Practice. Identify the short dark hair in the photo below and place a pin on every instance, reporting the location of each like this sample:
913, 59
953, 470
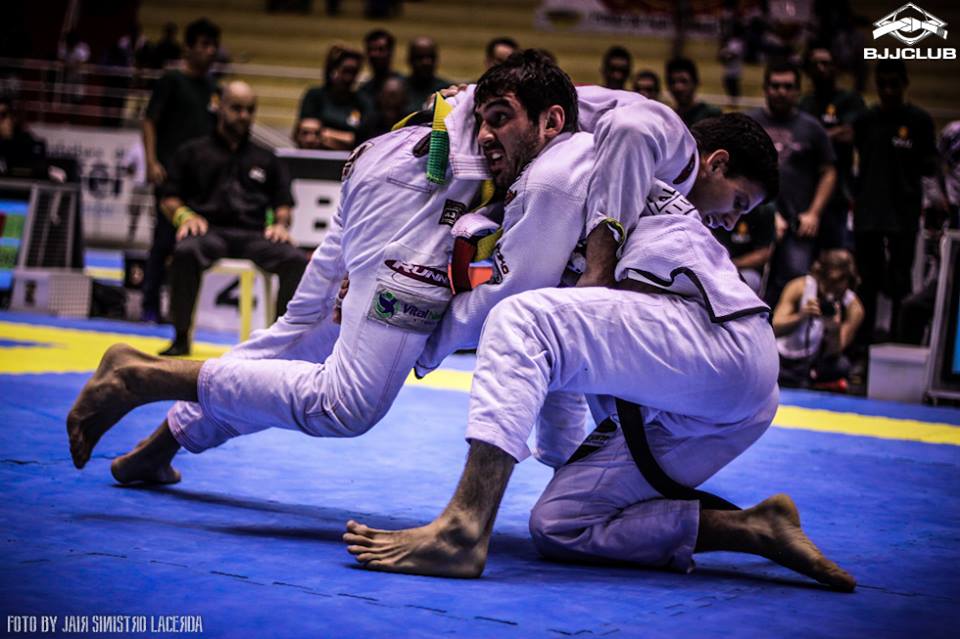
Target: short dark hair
647, 73
537, 82
336, 56
200, 28
683, 65
781, 66
616, 51
892, 67
752, 154
504, 40
378, 34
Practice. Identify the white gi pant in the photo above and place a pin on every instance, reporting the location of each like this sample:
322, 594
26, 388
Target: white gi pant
299, 374
707, 391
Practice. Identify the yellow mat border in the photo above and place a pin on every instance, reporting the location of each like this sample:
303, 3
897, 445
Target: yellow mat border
70, 350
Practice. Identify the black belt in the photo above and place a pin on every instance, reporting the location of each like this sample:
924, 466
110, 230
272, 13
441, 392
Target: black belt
635, 433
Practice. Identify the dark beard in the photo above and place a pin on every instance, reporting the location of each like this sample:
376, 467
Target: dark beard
526, 152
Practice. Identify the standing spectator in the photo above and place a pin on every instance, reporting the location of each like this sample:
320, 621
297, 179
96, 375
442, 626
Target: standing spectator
123, 56
750, 243
167, 50
647, 84
181, 107
836, 109
895, 144
423, 81
816, 320
731, 57
219, 194
335, 103
682, 83
498, 50
616, 68
73, 53
391, 108
379, 45
807, 174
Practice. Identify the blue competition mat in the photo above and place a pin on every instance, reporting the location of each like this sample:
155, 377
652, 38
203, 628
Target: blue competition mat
248, 545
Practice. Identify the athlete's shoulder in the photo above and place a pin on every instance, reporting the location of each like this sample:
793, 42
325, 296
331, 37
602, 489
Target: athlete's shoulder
563, 164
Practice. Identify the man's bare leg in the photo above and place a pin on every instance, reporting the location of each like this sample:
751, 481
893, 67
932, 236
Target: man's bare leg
771, 529
150, 461
125, 379
455, 543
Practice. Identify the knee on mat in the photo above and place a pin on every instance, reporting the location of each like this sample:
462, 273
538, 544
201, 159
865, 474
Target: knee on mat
544, 530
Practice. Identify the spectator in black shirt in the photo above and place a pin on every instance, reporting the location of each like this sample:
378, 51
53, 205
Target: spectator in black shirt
617, 67
21, 154
896, 147
379, 46
181, 107
423, 81
837, 110
647, 84
682, 82
750, 243
391, 108
228, 197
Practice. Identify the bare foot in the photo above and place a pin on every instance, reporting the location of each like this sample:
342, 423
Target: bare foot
103, 401
782, 540
435, 549
138, 467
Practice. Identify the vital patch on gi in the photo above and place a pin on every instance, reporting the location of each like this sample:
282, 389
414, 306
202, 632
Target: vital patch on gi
452, 210
406, 311
426, 274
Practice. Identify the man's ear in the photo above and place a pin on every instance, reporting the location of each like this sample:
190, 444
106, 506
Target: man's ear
718, 161
554, 121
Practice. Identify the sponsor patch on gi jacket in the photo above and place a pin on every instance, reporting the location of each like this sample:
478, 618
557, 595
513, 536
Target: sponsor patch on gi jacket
406, 311
426, 274
452, 210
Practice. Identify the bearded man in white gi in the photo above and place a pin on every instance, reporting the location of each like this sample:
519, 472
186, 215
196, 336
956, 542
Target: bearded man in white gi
299, 374
683, 338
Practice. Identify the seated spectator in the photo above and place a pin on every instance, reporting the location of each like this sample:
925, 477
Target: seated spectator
168, 49
21, 154
335, 103
498, 50
228, 197
815, 321
682, 82
309, 134
647, 84
379, 46
423, 81
391, 108
616, 68
750, 243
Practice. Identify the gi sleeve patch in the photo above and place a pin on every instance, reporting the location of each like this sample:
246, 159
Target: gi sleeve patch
404, 310
452, 210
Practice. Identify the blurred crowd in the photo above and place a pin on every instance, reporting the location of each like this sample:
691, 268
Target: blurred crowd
835, 255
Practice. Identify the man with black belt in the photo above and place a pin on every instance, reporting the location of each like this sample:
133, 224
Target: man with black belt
227, 197
182, 107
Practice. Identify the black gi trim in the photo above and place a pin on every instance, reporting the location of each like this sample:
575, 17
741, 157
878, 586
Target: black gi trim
635, 432
684, 270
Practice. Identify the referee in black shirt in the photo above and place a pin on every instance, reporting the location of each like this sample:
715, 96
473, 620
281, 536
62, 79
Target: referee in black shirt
219, 191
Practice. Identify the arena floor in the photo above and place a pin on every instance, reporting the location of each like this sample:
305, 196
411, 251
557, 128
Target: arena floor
250, 540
